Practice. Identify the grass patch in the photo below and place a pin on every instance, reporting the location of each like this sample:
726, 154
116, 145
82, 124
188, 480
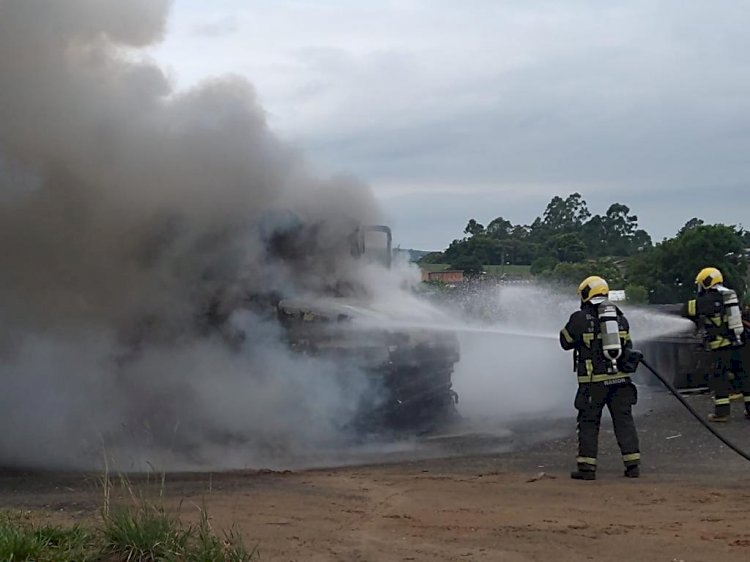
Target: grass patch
510, 269
209, 546
142, 533
514, 270
22, 540
148, 533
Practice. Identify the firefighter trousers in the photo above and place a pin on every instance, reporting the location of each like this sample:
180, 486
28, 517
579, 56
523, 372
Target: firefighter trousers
590, 402
728, 361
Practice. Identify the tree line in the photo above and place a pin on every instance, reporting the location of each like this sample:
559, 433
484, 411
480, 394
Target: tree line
568, 243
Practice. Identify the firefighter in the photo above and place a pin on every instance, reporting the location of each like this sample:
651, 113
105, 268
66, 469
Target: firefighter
717, 313
599, 336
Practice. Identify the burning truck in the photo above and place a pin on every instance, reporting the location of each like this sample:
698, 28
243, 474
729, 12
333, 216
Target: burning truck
151, 299
409, 366
410, 369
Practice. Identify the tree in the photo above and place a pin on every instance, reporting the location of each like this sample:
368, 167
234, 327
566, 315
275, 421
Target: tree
567, 247
594, 234
619, 223
519, 251
473, 228
480, 246
521, 232
433, 257
565, 215
636, 294
641, 241
566, 222
540, 265
614, 234
500, 229
470, 265
668, 270
690, 225
574, 273
620, 227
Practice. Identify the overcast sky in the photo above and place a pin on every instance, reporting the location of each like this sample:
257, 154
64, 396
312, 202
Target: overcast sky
484, 108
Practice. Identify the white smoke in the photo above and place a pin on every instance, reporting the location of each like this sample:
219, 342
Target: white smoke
134, 222
514, 367
145, 235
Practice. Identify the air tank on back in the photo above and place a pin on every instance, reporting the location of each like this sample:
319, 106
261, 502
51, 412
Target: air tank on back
610, 334
733, 314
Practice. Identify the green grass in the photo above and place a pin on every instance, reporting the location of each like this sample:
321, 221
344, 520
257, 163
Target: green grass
21, 540
209, 547
142, 533
514, 270
150, 534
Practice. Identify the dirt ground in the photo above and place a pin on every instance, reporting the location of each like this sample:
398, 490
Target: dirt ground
692, 503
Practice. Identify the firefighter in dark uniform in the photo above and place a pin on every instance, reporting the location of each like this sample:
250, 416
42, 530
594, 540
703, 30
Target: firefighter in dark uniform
716, 311
599, 335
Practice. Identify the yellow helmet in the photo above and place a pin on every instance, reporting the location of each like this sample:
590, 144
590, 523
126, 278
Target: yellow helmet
591, 287
708, 277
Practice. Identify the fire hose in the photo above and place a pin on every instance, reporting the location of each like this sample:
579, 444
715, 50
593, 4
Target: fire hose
695, 414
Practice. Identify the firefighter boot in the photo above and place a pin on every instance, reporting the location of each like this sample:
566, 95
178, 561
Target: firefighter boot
632, 471
583, 473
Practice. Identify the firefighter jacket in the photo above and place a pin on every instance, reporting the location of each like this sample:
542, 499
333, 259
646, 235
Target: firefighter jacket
583, 335
710, 314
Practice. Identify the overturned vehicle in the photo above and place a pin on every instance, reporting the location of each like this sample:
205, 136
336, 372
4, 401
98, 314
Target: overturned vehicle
409, 365
410, 369
322, 332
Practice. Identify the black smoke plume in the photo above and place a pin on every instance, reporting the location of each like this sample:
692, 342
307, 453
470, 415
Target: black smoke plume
136, 222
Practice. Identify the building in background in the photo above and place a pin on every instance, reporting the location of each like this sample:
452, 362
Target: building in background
449, 276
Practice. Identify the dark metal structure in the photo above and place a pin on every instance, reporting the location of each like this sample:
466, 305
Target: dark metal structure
409, 368
681, 358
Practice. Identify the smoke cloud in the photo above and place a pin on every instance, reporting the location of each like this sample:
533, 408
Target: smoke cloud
146, 237
134, 221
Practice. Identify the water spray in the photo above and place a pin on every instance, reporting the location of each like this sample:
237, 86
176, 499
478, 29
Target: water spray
454, 326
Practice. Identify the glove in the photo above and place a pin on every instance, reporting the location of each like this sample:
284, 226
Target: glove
629, 360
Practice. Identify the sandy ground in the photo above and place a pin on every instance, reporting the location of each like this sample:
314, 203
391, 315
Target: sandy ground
692, 503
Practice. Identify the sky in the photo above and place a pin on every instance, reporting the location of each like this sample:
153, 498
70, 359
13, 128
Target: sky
485, 108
